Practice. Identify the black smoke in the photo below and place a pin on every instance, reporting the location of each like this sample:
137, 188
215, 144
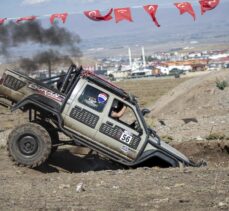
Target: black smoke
45, 59
60, 44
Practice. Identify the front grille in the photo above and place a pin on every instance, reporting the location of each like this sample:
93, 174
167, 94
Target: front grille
13, 83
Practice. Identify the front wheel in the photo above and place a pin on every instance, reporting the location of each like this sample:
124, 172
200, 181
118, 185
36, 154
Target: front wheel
29, 145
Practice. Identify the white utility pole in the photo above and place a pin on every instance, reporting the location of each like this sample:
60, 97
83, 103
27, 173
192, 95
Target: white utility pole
130, 58
143, 57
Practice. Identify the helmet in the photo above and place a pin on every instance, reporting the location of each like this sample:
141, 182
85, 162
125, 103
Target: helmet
117, 105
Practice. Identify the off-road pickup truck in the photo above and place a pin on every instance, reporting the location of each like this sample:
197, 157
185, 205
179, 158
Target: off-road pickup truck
88, 109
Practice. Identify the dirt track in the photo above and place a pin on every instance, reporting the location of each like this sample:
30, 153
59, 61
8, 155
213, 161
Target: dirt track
108, 186
53, 186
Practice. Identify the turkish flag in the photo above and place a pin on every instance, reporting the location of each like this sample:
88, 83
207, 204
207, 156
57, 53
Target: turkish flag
2, 20
186, 7
151, 10
123, 14
29, 18
95, 15
62, 16
208, 5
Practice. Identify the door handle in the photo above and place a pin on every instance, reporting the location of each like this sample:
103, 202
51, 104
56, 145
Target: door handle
109, 123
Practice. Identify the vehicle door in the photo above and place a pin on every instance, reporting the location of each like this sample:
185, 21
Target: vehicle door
83, 113
122, 134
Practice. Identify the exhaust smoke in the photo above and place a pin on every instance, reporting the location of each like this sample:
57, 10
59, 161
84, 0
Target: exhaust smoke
60, 44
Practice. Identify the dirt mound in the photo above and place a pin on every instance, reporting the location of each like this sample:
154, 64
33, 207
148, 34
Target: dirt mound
197, 96
195, 108
215, 153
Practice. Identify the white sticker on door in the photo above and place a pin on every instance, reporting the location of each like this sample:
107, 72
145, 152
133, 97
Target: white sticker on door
126, 137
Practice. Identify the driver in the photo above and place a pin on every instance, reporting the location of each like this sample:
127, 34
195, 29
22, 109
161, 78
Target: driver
118, 109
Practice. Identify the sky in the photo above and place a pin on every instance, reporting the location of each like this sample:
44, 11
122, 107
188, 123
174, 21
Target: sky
43, 8
167, 14
18, 8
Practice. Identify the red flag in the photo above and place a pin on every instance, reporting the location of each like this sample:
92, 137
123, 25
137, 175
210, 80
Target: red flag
95, 15
2, 20
123, 14
29, 18
186, 7
62, 16
208, 5
151, 10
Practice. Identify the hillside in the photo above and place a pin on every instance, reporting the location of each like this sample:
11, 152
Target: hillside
194, 109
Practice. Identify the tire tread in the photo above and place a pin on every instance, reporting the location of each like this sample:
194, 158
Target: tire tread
42, 132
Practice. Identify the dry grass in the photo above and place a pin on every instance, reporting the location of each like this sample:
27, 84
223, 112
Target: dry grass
217, 136
149, 90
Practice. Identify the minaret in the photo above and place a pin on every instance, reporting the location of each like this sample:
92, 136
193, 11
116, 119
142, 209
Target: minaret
143, 57
130, 58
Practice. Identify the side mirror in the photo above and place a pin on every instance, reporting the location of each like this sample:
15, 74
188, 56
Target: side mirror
145, 111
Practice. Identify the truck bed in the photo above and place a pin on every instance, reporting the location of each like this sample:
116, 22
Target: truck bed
16, 86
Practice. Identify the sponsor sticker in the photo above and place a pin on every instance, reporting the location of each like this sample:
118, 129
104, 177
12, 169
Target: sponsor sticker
102, 98
125, 148
91, 101
45, 92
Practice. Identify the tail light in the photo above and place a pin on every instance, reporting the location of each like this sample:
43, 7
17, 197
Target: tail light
2, 78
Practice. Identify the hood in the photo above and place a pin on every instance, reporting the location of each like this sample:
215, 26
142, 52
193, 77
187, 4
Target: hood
169, 149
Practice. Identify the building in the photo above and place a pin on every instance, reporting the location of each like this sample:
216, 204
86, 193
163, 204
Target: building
116, 75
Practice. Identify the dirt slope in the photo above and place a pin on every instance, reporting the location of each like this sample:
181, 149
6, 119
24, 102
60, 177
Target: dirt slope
196, 105
54, 186
108, 186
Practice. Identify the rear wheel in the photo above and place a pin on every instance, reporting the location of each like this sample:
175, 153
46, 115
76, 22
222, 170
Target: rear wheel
29, 145
53, 133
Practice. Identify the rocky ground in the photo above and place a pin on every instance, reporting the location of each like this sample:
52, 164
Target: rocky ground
194, 109
186, 116
70, 182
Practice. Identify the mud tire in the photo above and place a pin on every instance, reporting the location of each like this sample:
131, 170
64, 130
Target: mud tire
52, 133
29, 145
